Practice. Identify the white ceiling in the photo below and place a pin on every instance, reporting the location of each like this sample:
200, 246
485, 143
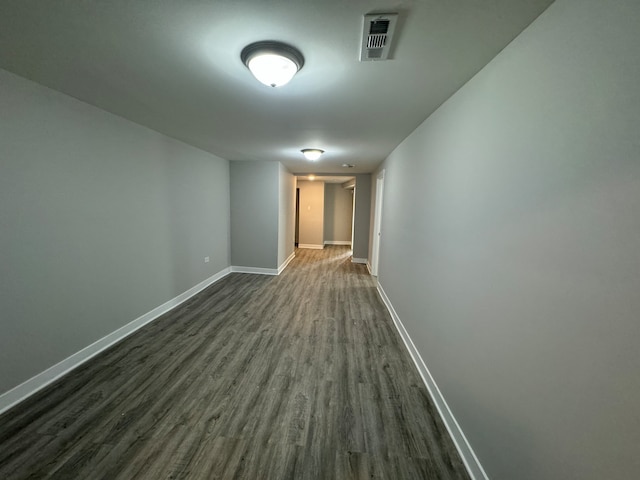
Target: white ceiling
175, 67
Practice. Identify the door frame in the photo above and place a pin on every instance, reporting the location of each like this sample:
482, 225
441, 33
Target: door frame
377, 223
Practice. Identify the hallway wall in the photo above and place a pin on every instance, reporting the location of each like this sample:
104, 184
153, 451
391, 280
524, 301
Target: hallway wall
101, 221
311, 228
510, 248
286, 215
255, 209
362, 199
338, 214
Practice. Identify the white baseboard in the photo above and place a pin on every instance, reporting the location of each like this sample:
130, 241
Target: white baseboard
256, 270
261, 270
369, 267
51, 374
337, 242
359, 260
308, 245
286, 262
462, 444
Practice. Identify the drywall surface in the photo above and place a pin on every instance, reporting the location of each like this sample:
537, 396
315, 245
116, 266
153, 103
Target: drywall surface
286, 215
254, 214
511, 250
338, 212
362, 213
311, 229
101, 220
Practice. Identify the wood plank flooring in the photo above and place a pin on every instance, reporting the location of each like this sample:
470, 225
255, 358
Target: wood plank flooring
300, 376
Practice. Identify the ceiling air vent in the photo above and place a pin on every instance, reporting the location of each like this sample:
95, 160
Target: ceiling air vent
377, 32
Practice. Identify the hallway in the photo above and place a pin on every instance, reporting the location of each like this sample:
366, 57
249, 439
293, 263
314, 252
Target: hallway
299, 376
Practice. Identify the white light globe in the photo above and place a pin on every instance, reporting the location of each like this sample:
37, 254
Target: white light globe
272, 70
312, 154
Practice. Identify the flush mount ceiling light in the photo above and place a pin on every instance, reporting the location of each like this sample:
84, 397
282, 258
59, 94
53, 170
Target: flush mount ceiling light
272, 63
312, 154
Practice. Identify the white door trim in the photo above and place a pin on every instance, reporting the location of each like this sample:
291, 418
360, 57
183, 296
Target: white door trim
377, 223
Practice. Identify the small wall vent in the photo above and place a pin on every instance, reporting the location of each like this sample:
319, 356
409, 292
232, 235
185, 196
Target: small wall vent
377, 32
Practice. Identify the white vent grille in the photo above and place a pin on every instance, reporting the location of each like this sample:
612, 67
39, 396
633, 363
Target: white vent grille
377, 40
377, 31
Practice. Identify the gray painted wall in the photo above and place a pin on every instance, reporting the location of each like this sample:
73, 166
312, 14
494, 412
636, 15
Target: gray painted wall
338, 213
101, 220
361, 221
286, 215
254, 213
311, 229
511, 247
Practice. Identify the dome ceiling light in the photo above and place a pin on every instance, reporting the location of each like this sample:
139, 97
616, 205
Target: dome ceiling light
272, 63
312, 154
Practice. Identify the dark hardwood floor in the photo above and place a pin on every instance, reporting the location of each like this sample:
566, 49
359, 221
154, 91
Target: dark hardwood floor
301, 376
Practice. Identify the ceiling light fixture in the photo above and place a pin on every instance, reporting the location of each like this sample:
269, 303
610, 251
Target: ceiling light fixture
312, 154
272, 63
